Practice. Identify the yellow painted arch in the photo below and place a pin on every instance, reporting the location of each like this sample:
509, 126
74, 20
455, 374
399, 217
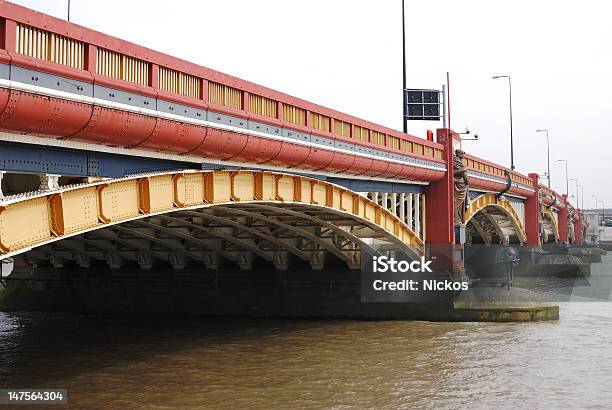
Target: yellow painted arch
548, 213
490, 200
33, 220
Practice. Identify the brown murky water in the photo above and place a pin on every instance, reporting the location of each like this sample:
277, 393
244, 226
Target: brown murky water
162, 362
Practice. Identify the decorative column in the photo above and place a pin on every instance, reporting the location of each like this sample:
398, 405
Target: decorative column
532, 213
439, 212
578, 226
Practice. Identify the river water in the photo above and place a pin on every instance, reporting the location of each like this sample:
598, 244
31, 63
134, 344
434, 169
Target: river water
162, 362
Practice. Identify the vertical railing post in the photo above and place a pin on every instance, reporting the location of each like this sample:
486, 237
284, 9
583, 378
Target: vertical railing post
245, 101
8, 35
154, 76
91, 55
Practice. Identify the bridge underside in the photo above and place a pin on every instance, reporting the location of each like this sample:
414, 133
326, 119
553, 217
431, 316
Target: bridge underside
232, 236
492, 220
551, 231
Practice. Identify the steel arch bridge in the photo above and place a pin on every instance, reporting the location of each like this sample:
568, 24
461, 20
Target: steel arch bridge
201, 216
490, 216
76, 104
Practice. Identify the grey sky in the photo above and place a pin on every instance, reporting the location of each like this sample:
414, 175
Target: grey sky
346, 54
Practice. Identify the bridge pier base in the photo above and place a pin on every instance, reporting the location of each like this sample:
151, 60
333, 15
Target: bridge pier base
281, 260
145, 261
57, 261
83, 261
114, 261
245, 260
257, 293
211, 260
317, 262
177, 260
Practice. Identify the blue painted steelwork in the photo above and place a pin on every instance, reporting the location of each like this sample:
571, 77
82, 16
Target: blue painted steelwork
26, 158
41, 160
359, 185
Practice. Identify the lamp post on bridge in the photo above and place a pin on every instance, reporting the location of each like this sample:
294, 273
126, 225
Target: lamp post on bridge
596, 210
547, 154
405, 97
577, 197
581, 195
566, 180
495, 77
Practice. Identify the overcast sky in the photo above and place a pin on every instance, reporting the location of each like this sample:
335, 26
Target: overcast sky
346, 54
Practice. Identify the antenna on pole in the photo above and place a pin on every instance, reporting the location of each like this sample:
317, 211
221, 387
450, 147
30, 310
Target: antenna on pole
405, 105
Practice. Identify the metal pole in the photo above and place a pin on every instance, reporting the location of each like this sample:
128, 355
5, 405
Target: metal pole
577, 193
405, 108
511, 123
566, 180
566, 176
448, 99
578, 200
68, 10
509, 275
511, 137
548, 156
443, 106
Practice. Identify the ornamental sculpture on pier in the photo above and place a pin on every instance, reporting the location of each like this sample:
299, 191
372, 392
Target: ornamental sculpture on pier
461, 184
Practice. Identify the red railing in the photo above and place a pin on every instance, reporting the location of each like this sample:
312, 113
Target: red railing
42, 42
121, 64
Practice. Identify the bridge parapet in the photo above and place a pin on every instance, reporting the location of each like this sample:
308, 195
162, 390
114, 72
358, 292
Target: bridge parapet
128, 75
489, 176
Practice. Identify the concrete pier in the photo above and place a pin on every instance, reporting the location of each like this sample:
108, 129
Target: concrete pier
257, 293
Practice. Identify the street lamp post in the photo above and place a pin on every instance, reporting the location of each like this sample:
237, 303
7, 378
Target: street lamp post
405, 108
581, 195
547, 153
566, 180
577, 196
596, 210
495, 77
